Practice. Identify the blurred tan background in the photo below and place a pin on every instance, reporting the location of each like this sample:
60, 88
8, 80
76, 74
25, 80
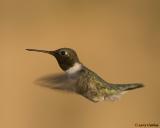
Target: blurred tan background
120, 40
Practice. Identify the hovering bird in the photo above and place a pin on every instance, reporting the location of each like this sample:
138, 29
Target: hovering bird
84, 81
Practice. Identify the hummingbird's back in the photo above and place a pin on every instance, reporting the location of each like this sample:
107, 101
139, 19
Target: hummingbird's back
91, 85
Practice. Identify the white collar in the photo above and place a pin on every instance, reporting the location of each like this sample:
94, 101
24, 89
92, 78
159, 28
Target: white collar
75, 68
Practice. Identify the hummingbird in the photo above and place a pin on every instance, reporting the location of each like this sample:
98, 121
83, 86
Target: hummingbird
83, 80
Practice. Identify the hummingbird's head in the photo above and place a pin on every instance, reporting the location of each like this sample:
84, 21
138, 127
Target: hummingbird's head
66, 57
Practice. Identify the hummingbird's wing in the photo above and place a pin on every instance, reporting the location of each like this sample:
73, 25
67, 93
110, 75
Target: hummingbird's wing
57, 81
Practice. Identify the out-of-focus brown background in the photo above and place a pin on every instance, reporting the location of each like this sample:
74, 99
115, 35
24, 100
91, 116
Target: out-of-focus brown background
117, 39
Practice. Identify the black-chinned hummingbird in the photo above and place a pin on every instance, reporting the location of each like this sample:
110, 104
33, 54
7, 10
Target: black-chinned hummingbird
86, 82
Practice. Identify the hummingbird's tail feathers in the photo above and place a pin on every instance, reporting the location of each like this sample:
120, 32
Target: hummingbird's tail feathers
121, 89
125, 87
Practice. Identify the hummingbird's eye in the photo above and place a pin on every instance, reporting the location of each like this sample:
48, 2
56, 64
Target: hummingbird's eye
63, 53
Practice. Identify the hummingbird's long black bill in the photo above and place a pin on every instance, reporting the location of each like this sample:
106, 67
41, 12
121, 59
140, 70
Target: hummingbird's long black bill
43, 51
